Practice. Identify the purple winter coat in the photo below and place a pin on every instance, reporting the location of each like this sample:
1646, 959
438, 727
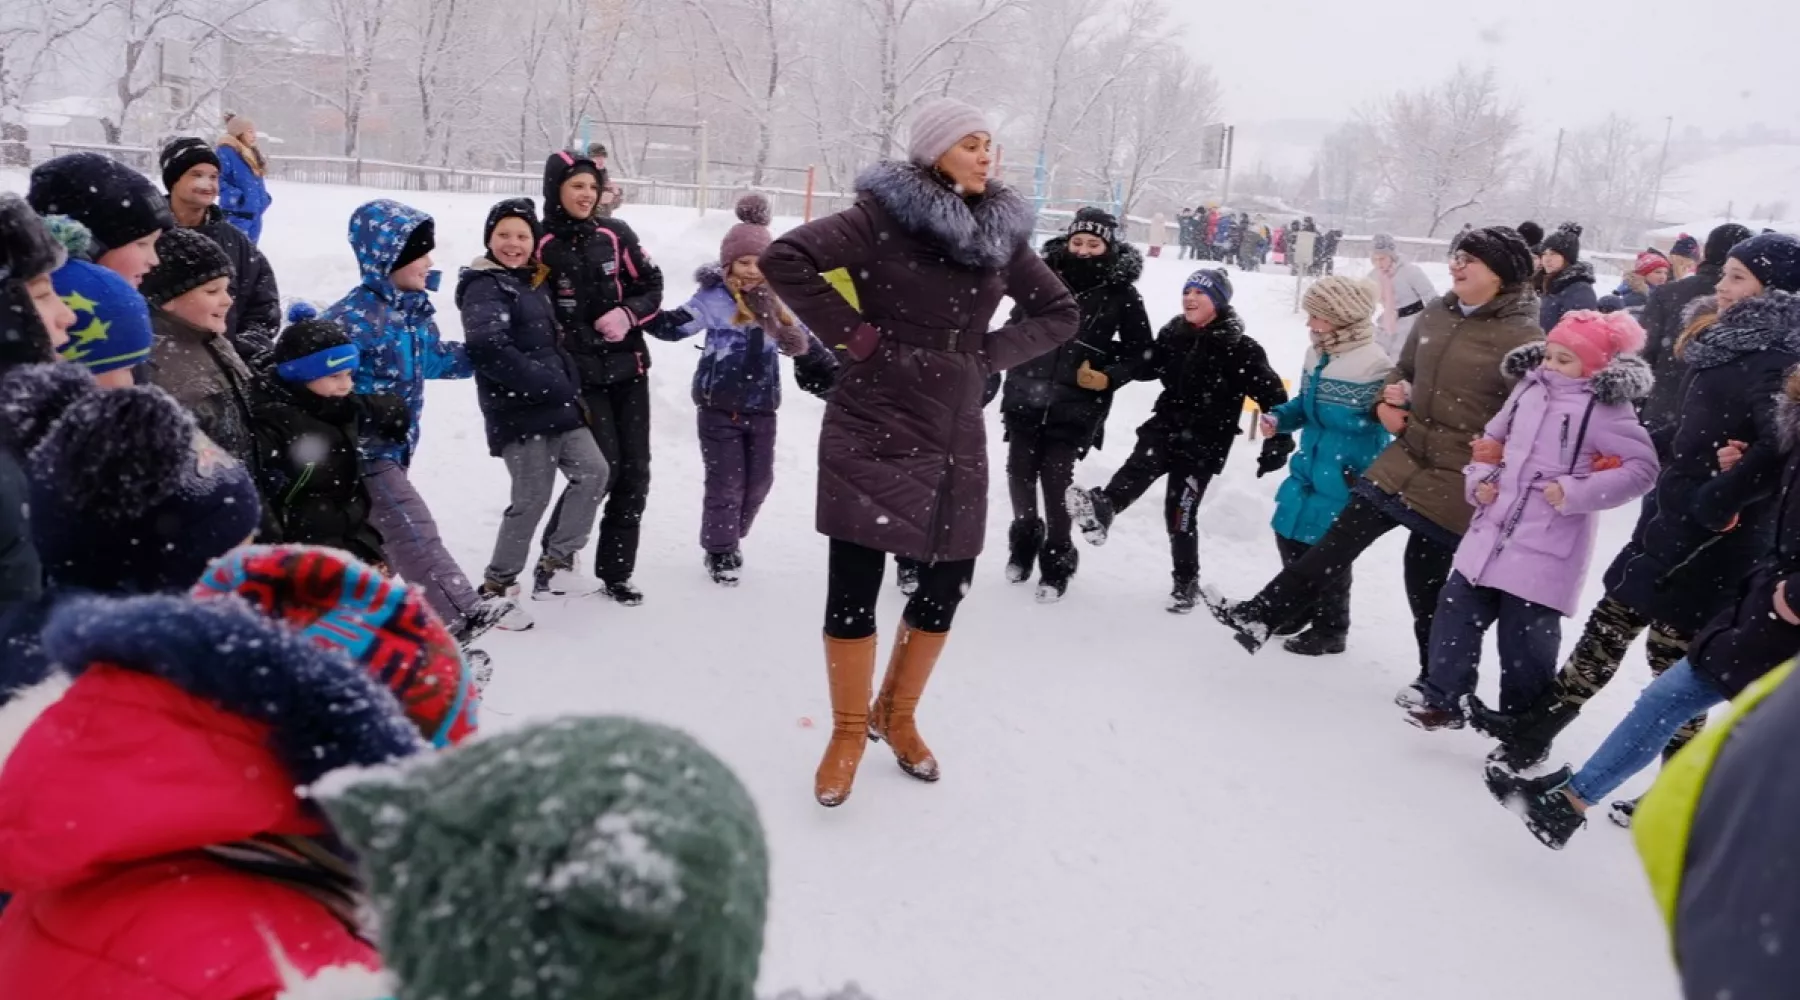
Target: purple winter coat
1554, 427
903, 448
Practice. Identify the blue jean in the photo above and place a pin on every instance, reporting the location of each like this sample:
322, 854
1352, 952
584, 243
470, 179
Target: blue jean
1530, 636
1671, 700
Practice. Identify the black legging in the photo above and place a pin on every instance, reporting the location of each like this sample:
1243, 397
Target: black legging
854, 587
1294, 594
1033, 457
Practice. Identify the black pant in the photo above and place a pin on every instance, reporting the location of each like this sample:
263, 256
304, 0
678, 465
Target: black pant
1294, 593
853, 588
1150, 461
1033, 457
1331, 613
619, 415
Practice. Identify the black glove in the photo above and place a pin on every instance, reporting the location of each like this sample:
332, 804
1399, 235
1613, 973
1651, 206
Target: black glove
1275, 452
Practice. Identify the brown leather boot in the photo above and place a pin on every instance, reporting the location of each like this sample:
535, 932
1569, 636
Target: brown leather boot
850, 668
891, 718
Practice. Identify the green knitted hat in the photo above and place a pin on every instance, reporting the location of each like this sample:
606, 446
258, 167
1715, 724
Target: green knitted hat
578, 859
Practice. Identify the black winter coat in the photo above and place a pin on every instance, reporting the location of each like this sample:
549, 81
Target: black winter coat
1206, 375
1705, 529
1572, 288
596, 266
310, 471
1115, 340
1664, 317
1750, 639
21, 577
255, 317
527, 384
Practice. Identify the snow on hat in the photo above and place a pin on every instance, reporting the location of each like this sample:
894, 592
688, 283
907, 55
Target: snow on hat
117, 204
112, 321
1720, 241
181, 154
1502, 250
1649, 262
185, 260
512, 208
1566, 242
1214, 282
939, 126
1383, 243
1598, 338
126, 493
608, 858
381, 624
1095, 222
1773, 257
1532, 234
1687, 246
750, 237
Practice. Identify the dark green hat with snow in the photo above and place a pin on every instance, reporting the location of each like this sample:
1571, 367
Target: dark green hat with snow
578, 859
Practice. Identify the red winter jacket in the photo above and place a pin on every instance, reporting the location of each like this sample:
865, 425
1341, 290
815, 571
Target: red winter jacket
109, 792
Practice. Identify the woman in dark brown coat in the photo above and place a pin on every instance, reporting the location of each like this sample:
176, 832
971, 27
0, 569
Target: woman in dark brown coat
932, 246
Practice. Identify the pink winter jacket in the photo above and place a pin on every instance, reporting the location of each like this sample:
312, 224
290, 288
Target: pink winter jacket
1554, 429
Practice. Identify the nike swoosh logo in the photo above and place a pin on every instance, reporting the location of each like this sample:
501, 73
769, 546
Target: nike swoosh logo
337, 362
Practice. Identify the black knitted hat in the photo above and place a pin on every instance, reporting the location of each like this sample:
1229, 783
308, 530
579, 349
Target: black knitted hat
185, 261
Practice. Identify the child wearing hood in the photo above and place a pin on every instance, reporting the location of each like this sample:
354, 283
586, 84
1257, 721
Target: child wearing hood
737, 386
1566, 446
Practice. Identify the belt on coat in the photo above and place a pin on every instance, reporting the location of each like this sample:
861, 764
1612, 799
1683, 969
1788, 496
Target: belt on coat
933, 338
1412, 310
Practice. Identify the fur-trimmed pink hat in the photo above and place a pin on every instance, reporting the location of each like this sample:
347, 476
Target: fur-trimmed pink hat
751, 236
1598, 338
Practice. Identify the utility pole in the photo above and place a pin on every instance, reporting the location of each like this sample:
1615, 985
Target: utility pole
1230, 140
1662, 163
1555, 168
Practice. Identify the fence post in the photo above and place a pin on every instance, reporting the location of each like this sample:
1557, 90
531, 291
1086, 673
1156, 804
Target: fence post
702, 199
811, 174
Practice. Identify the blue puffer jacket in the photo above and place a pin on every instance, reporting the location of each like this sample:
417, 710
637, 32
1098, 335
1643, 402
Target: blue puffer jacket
740, 370
243, 196
527, 383
394, 330
1334, 412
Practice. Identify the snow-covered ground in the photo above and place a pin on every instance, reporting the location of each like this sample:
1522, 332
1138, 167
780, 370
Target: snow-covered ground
1131, 807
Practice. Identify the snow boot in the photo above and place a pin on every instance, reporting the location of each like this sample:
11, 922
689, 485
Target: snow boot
1431, 718
1239, 617
1623, 812
1542, 803
850, 672
516, 620
906, 576
1093, 513
1184, 597
1024, 540
1528, 738
891, 717
552, 582
481, 668
1411, 696
624, 592
488, 612
1058, 565
1315, 642
723, 567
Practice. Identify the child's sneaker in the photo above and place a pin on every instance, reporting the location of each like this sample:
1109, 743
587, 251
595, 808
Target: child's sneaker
723, 567
1185, 597
554, 583
1623, 812
481, 668
484, 618
1092, 512
624, 592
515, 620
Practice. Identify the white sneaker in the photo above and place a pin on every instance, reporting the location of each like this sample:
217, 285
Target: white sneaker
563, 583
515, 619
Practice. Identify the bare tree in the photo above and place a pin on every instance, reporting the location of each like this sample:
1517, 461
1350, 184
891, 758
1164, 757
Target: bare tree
1607, 182
1152, 129
145, 32
754, 71
31, 32
1444, 149
907, 71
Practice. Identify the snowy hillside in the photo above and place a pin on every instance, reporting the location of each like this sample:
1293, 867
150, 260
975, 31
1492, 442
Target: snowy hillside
1753, 181
1131, 807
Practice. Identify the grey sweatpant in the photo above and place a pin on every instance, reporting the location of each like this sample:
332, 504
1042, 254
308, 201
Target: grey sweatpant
414, 548
533, 465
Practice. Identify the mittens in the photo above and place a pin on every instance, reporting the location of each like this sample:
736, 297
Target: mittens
1275, 452
792, 340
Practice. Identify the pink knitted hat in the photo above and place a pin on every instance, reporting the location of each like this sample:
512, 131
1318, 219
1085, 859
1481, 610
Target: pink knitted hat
1597, 338
750, 237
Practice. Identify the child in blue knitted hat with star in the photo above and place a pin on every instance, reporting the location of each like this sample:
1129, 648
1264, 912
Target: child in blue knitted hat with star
111, 335
307, 424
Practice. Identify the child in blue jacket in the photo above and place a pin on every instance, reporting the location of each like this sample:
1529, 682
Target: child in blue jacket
738, 383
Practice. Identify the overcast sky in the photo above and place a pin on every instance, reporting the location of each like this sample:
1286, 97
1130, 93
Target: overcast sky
1719, 65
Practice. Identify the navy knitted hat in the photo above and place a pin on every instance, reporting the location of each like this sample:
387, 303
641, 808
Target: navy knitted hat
117, 204
1687, 246
1720, 241
1096, 222
1773, 257
312, 348
1504, 252
126, 494
1214, 282
1566, 241
513, 208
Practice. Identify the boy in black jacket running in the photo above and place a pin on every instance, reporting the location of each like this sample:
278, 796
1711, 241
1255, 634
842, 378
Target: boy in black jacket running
1207, 365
